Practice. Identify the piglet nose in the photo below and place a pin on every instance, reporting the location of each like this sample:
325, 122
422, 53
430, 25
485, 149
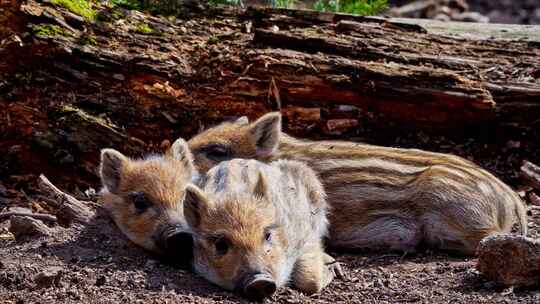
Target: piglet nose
259, 286
178, 242
178, 246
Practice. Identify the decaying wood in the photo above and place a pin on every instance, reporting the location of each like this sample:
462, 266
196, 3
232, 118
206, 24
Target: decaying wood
37, 216
63, 97
531, 173
69, 208
463, 30
471, 30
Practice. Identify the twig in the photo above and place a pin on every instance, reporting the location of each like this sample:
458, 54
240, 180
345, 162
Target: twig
70, 209
37, 216
273, 91
374, 259
46, 185
49, 201
531, 173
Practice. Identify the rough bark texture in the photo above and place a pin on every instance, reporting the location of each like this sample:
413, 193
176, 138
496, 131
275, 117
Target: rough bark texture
69, 209
110, 83
510, 260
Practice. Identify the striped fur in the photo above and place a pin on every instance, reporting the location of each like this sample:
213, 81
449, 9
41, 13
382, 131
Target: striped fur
242, 201
381, 197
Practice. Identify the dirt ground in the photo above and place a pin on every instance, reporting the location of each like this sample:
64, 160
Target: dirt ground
97, 264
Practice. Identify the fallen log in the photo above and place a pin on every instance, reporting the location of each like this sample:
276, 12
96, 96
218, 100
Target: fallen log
130, 80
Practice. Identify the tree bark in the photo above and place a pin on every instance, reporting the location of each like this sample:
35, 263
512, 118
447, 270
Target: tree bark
108, 83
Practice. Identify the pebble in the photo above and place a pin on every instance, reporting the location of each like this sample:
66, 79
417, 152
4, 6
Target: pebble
510, 260
24, 226
49, 277
3, 190
101, 281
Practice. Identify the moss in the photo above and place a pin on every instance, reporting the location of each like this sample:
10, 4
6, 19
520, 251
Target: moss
49, 30
24, 78
79, 116
213, 40
109, 16
88, 40
82, 8
129, 4
357, 7
143, 28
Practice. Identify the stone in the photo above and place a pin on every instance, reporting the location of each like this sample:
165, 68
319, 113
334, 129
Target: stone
25, 226
302, 114
510, 260
49, 277
3, 190
339, 125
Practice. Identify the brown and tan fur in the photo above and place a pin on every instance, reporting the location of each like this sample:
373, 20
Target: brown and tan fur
257, 220
382, 198
144, 197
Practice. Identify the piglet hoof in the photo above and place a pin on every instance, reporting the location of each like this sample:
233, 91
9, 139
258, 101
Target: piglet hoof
337, 270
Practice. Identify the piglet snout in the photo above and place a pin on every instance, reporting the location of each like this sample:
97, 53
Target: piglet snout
259, 286
178, 244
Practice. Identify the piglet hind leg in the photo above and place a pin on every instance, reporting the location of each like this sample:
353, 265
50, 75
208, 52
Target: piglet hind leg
311, 273
459, 238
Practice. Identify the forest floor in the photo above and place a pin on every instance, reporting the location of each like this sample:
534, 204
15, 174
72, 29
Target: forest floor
97, 264
65, 95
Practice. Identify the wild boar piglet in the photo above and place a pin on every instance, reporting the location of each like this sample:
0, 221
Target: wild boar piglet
256, 225
144, 197
382, 198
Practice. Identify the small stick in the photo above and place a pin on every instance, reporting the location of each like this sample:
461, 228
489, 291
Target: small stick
70, 209
47, 200
37, 216
531, 173
273, 91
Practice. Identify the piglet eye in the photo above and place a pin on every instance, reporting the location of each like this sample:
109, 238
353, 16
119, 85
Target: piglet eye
139, 200
268, 236
222, 246
217, 152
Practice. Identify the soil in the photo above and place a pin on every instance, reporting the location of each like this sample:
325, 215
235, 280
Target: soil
97, 264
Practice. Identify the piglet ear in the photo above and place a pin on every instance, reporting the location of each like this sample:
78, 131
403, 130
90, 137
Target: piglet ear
195, 205
111, 167
261, 188
242, 121
267, 131
180, 152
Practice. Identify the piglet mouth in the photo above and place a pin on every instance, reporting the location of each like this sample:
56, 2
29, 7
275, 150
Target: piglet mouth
177, 244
